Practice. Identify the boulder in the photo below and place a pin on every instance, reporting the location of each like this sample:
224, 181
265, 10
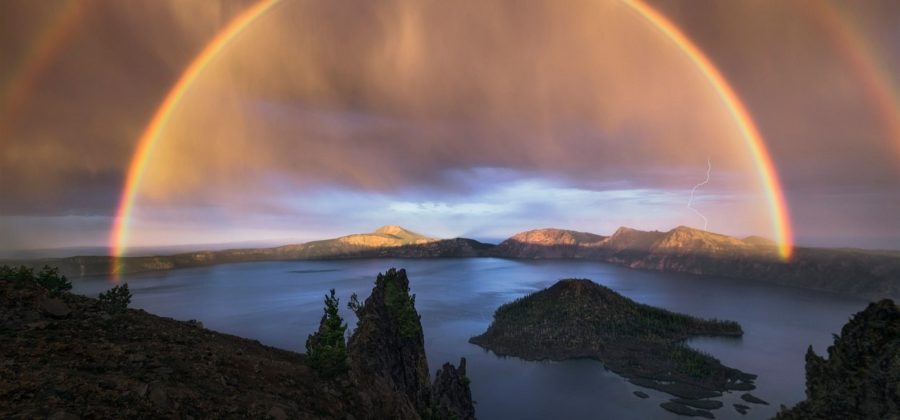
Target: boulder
55, 308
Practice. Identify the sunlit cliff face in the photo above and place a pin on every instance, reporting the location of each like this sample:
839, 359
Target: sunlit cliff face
576, 113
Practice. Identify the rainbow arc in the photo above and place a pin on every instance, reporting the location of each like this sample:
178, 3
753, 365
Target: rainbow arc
744, 122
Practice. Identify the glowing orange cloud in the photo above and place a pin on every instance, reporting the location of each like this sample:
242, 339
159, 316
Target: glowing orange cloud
781, 223
119, 234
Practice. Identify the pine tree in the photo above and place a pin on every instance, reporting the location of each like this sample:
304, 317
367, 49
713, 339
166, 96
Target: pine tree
326, 350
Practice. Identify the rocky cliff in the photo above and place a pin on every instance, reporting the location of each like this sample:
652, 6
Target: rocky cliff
451, 394
65, 357
388, 346
861, 377
387, 351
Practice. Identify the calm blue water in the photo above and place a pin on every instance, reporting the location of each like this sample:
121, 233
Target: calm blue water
280, 303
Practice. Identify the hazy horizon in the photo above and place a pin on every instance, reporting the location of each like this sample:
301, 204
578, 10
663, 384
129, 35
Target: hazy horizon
161, 249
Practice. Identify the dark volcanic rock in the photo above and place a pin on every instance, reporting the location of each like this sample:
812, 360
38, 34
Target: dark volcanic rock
388, 345
859, 380
741, 408
703, 404
750, 398
681, 390
55, 308
684, 410
387, 350
741, 386
451, 393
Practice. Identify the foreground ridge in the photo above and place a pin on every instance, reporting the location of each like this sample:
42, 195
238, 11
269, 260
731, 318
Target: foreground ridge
65, 356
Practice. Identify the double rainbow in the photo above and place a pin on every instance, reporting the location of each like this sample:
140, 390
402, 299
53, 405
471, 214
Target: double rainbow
151, 136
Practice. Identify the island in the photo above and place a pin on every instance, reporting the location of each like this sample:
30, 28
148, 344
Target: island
577, 318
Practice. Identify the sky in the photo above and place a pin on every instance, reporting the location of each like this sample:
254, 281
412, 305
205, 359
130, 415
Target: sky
450, 118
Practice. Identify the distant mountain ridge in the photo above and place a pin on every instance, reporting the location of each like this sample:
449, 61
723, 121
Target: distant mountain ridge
681, 239
868, 275
547, 243
389, 236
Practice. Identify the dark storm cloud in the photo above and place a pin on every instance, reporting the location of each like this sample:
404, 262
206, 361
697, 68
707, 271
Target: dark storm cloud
394, 97
86, 104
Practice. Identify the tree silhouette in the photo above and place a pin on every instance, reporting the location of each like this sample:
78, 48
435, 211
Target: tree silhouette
326, 350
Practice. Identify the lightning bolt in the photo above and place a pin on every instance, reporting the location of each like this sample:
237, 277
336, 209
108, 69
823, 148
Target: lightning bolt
693, 190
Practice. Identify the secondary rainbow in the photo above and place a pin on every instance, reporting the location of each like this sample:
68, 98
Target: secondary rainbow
119, 233
781, 223
876, 79
775, 196
38, 56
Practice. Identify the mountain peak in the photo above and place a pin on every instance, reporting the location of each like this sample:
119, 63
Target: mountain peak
624, 230
627, 238
385, 236
685, 228
578, 286
684, 238
396, 231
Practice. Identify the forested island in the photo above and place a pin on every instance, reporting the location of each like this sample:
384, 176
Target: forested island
577, 318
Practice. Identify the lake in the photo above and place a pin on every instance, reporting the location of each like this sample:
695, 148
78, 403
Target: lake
280, 303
